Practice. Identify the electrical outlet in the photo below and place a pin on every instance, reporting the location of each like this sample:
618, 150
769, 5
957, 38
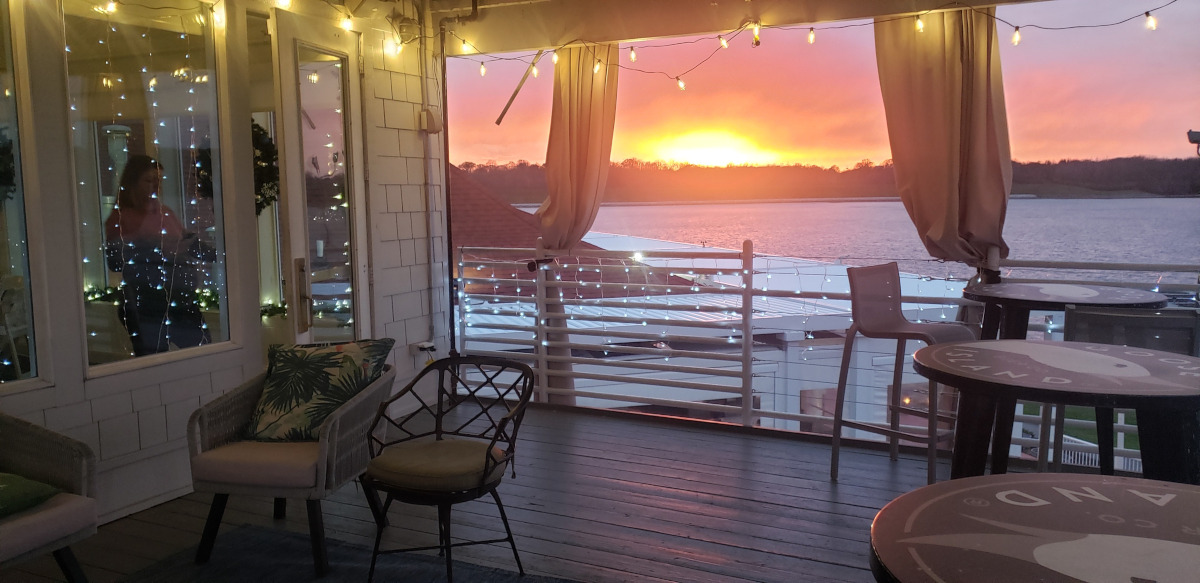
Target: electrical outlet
419, 347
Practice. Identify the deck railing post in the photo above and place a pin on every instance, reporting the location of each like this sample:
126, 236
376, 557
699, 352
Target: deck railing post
540, 350
747, 332
461, 288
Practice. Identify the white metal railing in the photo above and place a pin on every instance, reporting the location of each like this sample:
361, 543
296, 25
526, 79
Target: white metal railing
708, 333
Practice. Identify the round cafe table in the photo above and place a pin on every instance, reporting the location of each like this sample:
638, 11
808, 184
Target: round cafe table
1162, 387
1007, 305
1006, 315
1040, 527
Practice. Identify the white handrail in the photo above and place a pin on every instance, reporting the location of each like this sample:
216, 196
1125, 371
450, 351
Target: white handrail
654, 345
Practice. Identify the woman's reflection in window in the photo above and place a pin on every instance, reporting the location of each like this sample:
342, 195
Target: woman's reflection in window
158, 262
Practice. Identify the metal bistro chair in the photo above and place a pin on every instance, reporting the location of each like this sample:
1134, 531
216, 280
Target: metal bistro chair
876, 310
449, 445
1175, 330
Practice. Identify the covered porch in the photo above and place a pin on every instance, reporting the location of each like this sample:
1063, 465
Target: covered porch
598, 497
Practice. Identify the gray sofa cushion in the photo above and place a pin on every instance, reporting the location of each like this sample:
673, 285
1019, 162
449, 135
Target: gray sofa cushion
259, 463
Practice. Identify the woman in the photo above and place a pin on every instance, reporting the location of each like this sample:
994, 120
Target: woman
157, 260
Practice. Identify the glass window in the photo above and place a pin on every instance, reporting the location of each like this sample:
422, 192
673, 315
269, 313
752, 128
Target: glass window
146, 162
16, 321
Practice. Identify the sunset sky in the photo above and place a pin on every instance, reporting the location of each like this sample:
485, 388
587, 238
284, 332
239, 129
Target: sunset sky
1089, 93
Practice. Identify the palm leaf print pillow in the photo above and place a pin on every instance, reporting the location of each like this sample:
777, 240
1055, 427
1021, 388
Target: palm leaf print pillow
306, 383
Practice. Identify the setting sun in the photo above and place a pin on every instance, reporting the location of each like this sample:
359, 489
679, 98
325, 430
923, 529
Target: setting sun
708, 148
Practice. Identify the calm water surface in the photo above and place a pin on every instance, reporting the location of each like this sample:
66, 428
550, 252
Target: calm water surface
1148, 230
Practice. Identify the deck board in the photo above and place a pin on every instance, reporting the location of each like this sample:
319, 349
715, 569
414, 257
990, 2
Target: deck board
598, 498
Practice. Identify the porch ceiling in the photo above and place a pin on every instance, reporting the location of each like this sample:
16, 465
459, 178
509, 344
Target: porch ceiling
519, 25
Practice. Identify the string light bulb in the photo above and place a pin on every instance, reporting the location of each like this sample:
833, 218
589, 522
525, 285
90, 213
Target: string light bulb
1151, 22
554, 57
596, 67
533, 69
757, 41
466, 46
482, 69
812, 35
347, 23
632, 54
724, 43
393, 46
920, 24
682, 85
1016, 36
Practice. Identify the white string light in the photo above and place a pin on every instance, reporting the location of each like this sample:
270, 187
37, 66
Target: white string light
393, 46
681, 84
755, 28
482, 69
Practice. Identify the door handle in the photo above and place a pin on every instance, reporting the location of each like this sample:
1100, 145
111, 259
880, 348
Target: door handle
304, 300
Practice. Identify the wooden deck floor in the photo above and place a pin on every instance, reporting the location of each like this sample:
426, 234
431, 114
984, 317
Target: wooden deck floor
597, 498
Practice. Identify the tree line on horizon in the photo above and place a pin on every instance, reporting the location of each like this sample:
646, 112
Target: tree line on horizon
635, 180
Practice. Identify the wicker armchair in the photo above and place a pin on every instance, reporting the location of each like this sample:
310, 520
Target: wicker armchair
39, 454
224, 464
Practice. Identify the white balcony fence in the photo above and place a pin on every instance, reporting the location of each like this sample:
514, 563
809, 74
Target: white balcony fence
718, 335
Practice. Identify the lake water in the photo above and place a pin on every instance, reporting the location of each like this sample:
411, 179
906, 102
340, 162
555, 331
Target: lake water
1146, 230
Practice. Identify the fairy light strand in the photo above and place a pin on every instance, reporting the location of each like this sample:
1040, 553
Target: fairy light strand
755, 26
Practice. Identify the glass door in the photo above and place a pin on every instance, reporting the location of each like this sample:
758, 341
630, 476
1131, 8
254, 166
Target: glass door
324, 251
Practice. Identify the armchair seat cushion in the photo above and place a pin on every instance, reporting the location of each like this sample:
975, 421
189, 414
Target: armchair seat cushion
448, 465
259, 463
58, 518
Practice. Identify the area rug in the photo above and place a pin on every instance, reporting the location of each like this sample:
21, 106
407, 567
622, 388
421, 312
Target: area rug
254, 554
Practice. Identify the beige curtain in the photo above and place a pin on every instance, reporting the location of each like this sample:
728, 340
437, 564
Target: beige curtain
944, 100
581, 133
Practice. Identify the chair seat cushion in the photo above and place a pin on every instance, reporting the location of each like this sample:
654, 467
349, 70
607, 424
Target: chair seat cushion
448, 465
258, 463
55, 519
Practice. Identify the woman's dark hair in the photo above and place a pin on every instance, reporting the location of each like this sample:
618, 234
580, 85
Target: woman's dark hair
137, 165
